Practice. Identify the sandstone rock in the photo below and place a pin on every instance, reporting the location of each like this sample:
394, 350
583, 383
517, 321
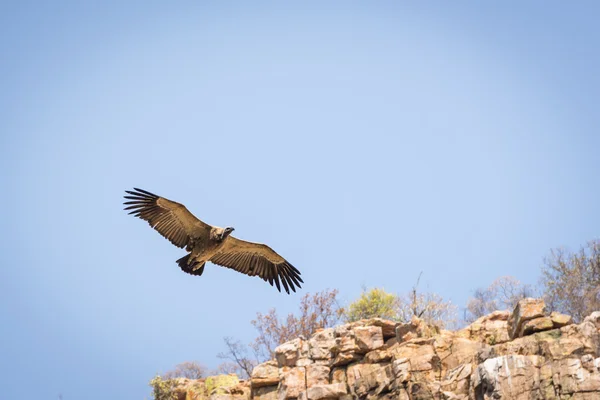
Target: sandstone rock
321, 344
525, 310
265, 374
293, 381
363, 378
344, 359
288, 353
220, 384
490, 329
388, 328
475, 363
401, 369
571, 340
455, 351
417, 350
536, 325
303, 362
528, 345
330, 391
420, 390
338, 375
346, 343
368, 338
457, 381
416, 328
570, 377
377, 356
265, 393
508, 377
317, 375
217, 387
425, 363
559, 320
594, 318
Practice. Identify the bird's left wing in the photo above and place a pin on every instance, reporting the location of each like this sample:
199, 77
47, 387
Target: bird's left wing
169, 218
255, 259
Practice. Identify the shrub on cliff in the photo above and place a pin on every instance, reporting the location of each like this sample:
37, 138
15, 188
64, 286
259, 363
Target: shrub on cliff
163, 389
373, 303
430, 307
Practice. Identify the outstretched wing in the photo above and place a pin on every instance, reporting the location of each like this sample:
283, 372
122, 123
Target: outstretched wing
169, 218
255, 259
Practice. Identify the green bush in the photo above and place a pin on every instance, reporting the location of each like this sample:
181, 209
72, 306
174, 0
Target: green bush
373, 303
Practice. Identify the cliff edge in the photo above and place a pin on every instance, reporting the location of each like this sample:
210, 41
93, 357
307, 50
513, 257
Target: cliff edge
526, 354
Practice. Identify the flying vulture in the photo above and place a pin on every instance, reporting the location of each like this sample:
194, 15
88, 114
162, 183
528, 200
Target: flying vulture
210, 243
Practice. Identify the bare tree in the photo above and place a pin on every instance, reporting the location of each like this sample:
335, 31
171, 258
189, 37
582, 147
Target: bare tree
503, 294
430, 307
239, 361
571, 281
187, 369
320, 310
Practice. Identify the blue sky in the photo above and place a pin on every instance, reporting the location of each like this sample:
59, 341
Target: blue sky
364, 141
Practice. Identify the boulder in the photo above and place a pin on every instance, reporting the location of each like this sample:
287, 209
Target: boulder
321, 344
388, 328
265, 374
368, 338
490, 329
416, 328
378, 356
288, 354
536, 325
345, 358
594, 318
559, 320
525, 310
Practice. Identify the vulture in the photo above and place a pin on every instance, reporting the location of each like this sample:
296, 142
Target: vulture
204, 242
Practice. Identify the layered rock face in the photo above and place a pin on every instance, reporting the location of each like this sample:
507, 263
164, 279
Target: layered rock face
526, 354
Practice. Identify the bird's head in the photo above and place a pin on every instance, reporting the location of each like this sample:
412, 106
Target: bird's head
226, 232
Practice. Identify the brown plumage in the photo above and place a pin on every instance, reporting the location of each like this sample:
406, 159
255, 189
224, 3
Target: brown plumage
209, 243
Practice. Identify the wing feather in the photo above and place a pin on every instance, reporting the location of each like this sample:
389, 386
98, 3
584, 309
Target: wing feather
171, 219
255, 259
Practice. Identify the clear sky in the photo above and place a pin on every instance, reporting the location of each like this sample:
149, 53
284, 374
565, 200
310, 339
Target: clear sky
364, 141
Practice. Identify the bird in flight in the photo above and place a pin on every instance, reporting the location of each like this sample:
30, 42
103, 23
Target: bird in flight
204, 242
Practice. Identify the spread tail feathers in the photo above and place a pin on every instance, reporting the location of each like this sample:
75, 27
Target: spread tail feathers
184, 264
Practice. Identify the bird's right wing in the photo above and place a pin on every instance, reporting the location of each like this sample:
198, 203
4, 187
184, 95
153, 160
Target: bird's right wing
256, 259
169, 218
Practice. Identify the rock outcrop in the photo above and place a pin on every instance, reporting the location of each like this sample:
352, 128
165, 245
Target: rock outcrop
526, 354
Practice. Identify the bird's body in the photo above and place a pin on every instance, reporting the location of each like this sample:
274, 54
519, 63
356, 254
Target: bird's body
210, 243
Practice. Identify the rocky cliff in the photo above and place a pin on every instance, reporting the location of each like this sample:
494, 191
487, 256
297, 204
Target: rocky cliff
526, 354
